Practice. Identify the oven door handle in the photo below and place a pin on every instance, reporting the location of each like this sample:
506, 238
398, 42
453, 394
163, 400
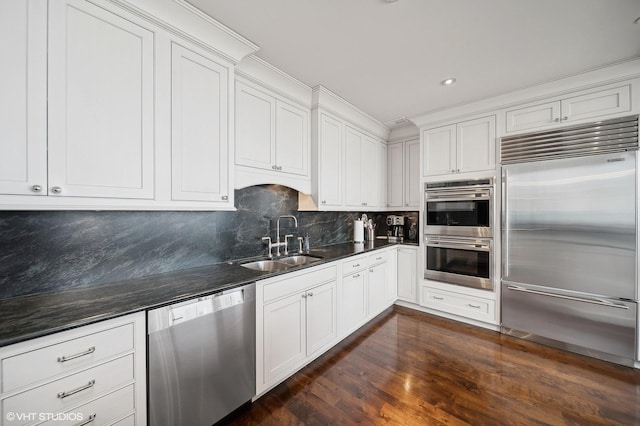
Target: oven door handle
459, 246
458, 195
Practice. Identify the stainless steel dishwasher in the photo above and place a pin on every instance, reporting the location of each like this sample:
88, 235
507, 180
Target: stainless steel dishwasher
201, 358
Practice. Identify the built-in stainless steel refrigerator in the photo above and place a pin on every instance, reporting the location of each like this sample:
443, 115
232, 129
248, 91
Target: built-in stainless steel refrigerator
569, 238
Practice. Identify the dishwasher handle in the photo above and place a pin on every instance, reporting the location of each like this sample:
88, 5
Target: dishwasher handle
179, 313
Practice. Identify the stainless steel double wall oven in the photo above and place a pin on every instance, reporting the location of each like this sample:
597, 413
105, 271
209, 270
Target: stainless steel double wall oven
458, 232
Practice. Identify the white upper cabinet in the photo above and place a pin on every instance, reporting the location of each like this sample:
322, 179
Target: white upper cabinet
404, 174
101, 103
23, 108
255, 128
330, 165
361, 169
199, 127
272, 137
468, 146
604, 102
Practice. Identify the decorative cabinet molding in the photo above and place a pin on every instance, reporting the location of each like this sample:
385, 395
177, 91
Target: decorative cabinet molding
604, 102
468, 146
272, 139
23, 109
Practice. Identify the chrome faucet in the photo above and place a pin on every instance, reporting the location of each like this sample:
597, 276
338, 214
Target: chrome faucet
279, 244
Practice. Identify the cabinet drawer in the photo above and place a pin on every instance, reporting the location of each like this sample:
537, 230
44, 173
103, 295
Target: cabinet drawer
378, 257
298, 283
128, 421
353, 265
62, 394
459, 304
40, 364
102, 410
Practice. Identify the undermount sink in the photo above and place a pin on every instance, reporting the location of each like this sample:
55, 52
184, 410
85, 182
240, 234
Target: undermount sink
272, 265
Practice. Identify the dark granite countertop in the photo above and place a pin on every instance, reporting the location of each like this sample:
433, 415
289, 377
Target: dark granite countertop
27, 317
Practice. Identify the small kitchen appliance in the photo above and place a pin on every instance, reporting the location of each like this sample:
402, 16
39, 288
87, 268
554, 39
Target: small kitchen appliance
396, 227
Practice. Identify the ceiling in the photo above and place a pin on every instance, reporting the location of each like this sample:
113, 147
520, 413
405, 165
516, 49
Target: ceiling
388, 58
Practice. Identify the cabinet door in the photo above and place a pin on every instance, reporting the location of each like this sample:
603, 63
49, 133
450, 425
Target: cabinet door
395, 173
407, 275
255, 128
377, 297
369, 180
199, 141
476, 145
331, 165
23, 103
284, 336
532, 117
321, 316
439, 151
412, 173
596, 104
101, 103
292, 139
382, 181
353, 297
352, 167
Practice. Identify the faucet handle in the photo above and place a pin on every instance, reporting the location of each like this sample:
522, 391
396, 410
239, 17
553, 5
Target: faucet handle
286, 247
268, 240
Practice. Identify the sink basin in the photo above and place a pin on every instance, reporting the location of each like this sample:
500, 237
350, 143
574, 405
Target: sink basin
299, 259
272, 265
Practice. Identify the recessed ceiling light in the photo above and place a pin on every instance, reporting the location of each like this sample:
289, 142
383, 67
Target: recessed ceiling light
448, 81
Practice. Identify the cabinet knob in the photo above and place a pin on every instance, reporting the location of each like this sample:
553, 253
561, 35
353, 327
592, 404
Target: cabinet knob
225, 198
565, 118
304, 295
457, 170
453, 170
274, 167
56, 190
556, 120
36, 188
323, 202
310, 294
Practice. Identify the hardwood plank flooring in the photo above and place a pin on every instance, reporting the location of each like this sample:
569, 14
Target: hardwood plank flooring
411, 368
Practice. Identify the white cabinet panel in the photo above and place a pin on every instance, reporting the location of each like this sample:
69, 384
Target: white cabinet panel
101, 103
382, 163
476, 145
255, 127
321, 316
412, 173
353, 166
597, 104
369, 183
377, 299
533, 116
199, 142
23, 103
330, 177
284, 336
353, 299
291, 140
395, 174
407, 274
439, 150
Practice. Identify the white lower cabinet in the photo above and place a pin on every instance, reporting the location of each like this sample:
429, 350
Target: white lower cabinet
461, 303
353, 300
296, 318
407, 274
94, 374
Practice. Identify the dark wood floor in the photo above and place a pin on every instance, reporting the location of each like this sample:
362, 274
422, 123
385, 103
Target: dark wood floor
410, 368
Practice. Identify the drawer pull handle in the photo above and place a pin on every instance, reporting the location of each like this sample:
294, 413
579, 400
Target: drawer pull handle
89, 420
65, 394
357, 265
66, 358
438, 298
310, 294
356, 275
474, 306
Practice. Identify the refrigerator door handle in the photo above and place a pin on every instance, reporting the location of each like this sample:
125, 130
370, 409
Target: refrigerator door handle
505, 226
562, 296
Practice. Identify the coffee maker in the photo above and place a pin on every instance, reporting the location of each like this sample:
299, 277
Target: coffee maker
395, 225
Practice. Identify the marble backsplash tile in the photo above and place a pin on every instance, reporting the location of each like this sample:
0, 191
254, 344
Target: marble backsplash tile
41, 251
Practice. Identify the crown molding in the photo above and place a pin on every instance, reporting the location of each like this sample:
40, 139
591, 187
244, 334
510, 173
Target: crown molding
189, 22
329, 101
264, 74
620, 71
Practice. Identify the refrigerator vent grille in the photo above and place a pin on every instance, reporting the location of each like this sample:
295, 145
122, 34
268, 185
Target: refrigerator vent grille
619, 134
